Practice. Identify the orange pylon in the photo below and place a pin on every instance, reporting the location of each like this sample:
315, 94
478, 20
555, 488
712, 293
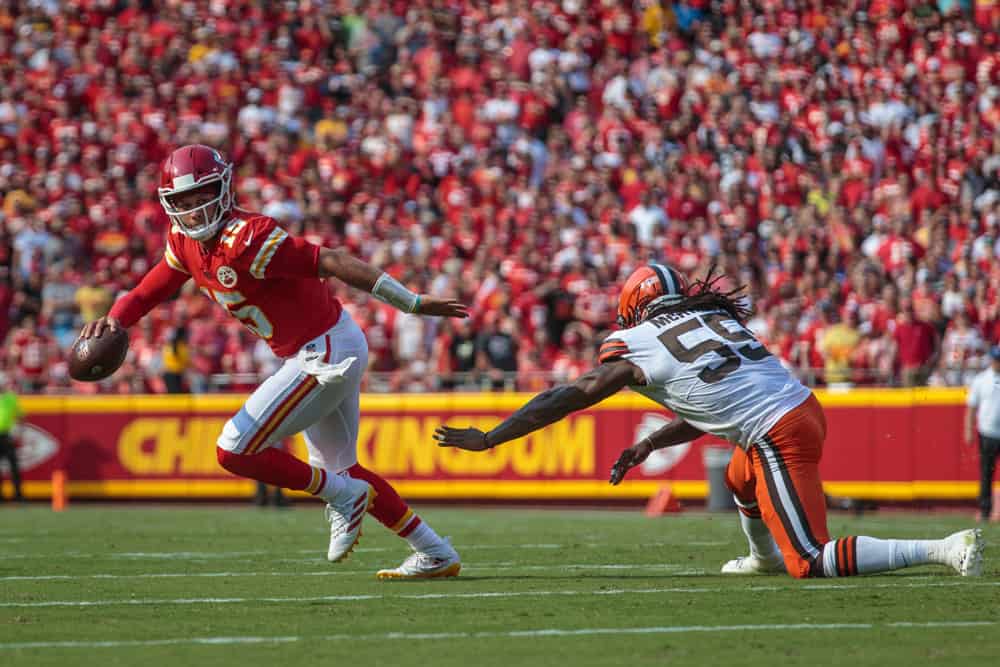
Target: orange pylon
663, 501
59, 496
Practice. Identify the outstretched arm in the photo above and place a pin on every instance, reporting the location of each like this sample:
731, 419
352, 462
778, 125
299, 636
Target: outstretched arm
161, 283
676, 432
339, 263
547, 407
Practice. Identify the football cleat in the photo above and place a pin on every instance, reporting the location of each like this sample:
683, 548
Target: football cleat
441, 561
754, 565
345, 518
964, 552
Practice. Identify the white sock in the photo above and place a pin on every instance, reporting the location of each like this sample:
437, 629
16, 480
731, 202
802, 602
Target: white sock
423, 538
334, 486
762, 545
868, 555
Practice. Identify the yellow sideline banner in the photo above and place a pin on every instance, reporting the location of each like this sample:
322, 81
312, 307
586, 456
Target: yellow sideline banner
883, 444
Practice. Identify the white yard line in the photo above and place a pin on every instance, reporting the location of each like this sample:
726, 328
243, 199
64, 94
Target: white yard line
533, 633
318, 552
477, 567
692, 590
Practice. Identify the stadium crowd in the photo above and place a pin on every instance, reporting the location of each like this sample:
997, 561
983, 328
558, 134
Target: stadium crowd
840, 159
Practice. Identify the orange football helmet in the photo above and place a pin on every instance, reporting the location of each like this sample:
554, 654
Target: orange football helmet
648, 285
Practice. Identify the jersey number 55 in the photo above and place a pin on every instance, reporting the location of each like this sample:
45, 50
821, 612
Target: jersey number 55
732, 355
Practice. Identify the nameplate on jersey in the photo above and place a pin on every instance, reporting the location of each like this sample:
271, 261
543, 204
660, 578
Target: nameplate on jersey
670, 318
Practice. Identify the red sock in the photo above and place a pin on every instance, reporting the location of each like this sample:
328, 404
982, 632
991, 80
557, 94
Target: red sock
275, 467
391, 510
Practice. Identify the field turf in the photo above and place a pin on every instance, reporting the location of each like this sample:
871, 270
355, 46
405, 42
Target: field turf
233, 585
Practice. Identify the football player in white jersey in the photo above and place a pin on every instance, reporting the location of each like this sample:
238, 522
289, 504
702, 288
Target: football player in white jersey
687, 348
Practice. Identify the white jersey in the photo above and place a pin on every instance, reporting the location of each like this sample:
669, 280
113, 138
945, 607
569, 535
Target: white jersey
710, 371
984, 398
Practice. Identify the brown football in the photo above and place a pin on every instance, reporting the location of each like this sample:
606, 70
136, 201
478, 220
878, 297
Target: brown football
93, 359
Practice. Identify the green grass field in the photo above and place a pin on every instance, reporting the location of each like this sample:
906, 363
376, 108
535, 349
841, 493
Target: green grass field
126, 585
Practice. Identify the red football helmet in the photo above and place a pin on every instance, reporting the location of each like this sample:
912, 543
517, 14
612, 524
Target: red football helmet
189, 168
647, 286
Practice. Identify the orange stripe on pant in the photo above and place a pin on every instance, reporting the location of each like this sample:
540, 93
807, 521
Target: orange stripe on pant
279, 415
781, 474
852, 555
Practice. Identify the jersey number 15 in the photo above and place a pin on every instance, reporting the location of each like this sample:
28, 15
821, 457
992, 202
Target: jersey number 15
252, 317
732, 355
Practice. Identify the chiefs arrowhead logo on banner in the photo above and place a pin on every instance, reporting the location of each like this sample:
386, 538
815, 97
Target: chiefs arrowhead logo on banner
35, 447
661, 460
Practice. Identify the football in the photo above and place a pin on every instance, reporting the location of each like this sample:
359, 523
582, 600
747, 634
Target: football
96, 358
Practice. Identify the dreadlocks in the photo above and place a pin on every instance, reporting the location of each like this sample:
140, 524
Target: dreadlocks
703, 295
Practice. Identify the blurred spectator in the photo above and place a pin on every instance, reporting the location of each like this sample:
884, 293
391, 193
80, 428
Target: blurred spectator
574, 357
961, 349
917, 346
34, 247
496, 349
953, 299
838, 345
59, 305
146, 353
648, 219
462, 347
176, 359
31, 353
874, 360
94, 299
532, 153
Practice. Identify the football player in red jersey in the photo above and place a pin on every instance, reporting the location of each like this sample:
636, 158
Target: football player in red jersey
274, 284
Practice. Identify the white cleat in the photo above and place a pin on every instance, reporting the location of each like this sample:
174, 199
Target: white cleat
964, 552
441, 561
754, 565
345, 518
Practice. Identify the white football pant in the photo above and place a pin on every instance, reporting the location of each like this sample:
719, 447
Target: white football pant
315, 391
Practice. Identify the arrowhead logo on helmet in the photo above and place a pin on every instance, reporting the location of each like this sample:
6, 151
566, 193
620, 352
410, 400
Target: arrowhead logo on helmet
190, 168
648, 285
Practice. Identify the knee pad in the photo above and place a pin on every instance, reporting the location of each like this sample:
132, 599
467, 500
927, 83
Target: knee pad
230, 437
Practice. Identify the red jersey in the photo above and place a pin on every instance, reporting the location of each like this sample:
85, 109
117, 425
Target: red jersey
263, 277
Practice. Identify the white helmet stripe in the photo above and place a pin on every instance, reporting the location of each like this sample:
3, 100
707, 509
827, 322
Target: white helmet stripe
668, 279
183, 181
